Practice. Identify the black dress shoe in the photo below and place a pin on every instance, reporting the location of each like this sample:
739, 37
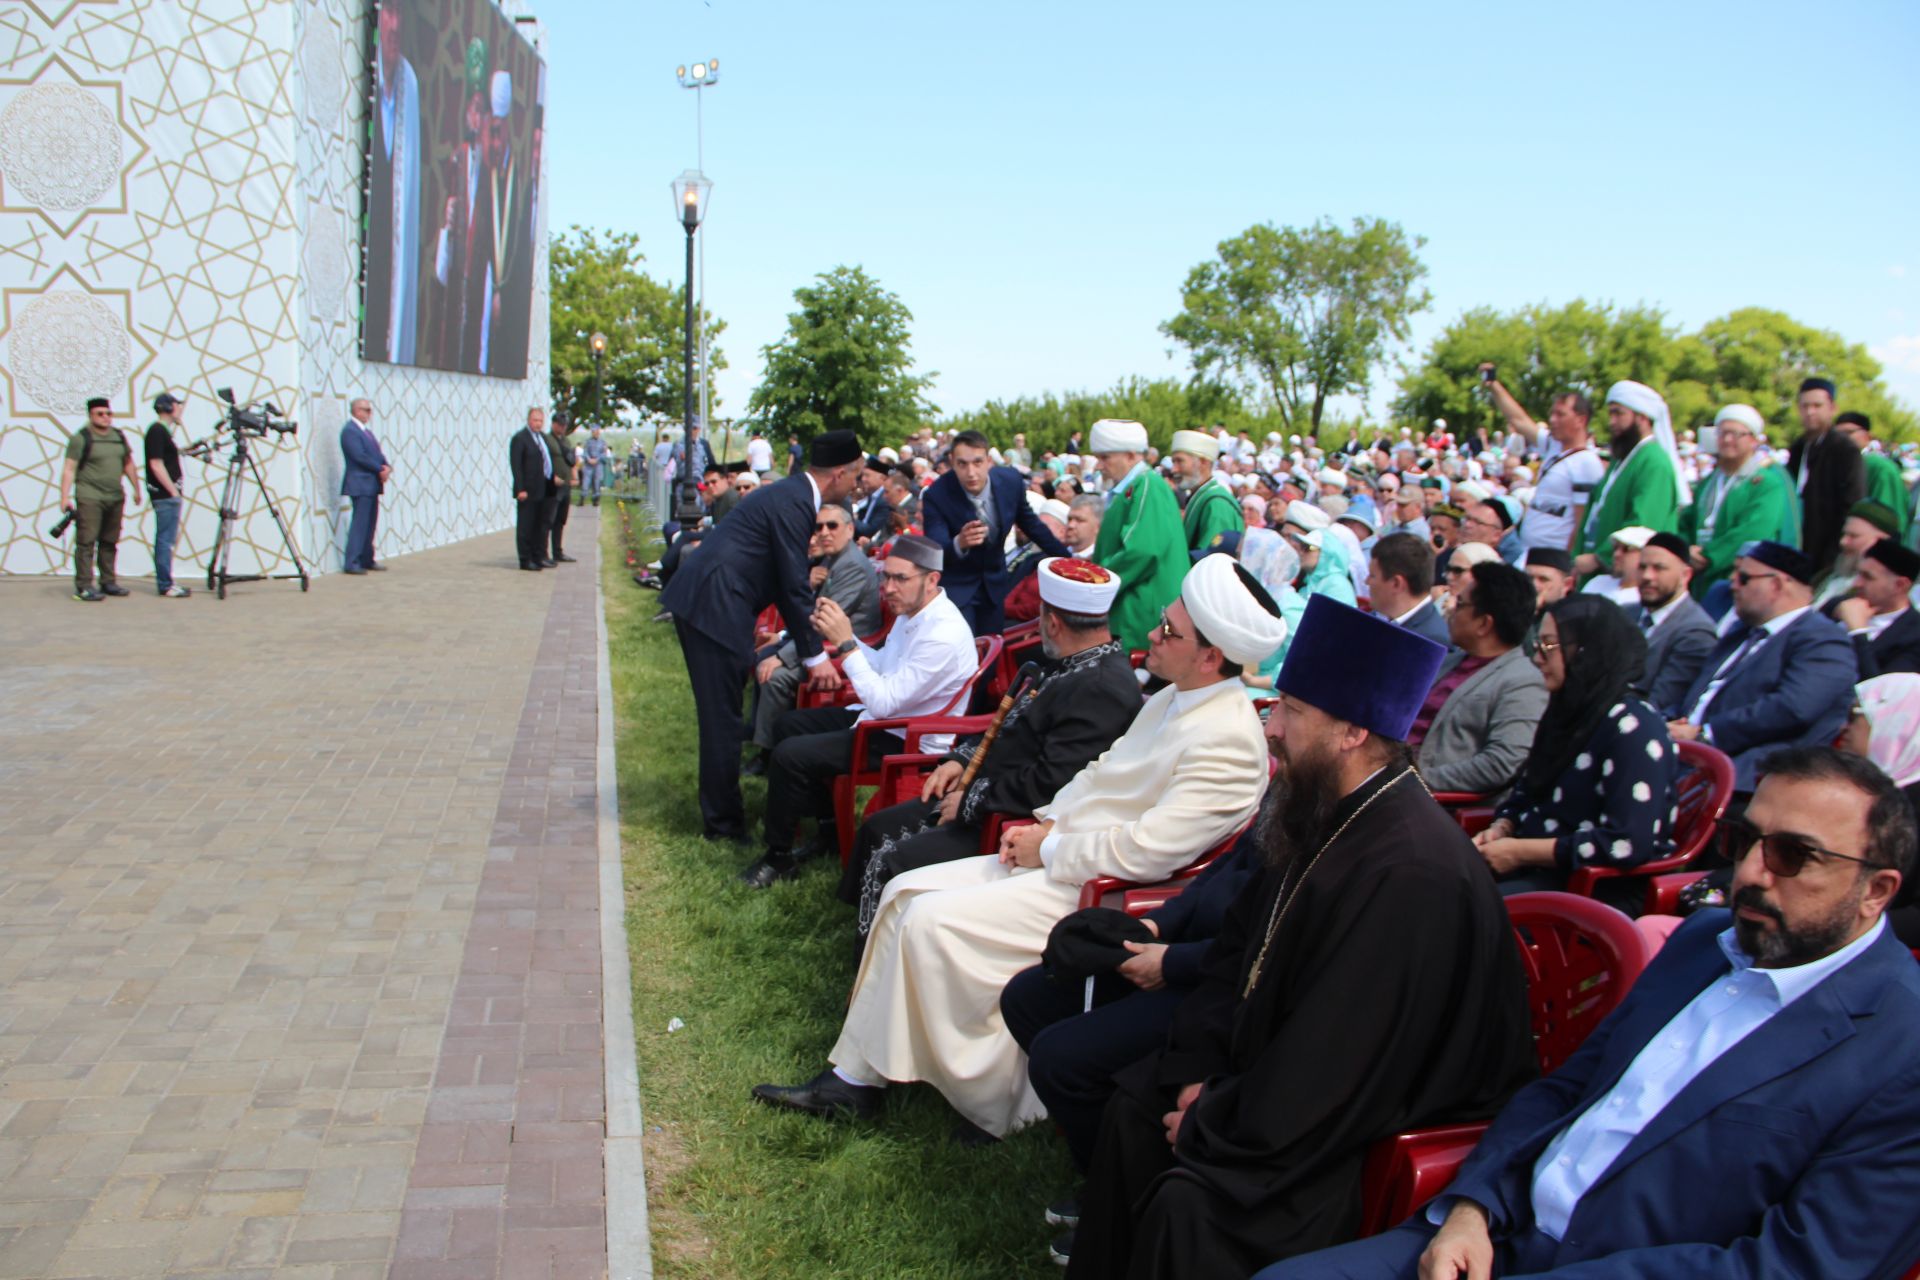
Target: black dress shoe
769, 869
720, 833
378, 568
1065, 1212
1061, 1249
754, 768
548, 564
358, 573
824, 1095
818, 847
564, 558
530, 568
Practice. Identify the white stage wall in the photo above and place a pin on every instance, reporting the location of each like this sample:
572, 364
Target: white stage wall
179, 210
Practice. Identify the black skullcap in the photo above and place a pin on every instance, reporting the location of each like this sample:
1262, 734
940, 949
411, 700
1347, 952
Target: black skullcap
919, 550
1088, 943
875, 463
835, 449
1551, 558
1817, 384
1877, 514
1674, 545
99, 402
1857, 418
1903, 561
1778, 555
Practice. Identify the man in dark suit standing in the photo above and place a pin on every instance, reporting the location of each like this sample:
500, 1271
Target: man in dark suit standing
1680, 634
559, 443
1826, 469
872, 513
532, 490
364, 481
756, 557
1783, 679
1777, 1046
1880, 620
969, 512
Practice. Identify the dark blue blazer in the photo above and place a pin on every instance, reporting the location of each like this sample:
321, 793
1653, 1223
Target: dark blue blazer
877, 520
1793, 691
1189, 923
757, 556
946, 509
364, 459
1797, 1153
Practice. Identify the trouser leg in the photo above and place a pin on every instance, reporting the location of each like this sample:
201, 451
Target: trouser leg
1392, 1255
776, 699
1072, 1062
557, 533
1131, 1152
716, 676
109, 544
86, 537
166, 531
359, 551
526, 524
812, 748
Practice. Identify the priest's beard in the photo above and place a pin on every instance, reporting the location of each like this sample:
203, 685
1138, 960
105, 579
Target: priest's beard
1622, 443
1781, 947
1300, 804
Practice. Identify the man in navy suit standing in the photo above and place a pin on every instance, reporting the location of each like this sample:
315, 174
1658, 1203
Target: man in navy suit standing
757, 556
365, 480
1752, 1108
1782, 677
969, 512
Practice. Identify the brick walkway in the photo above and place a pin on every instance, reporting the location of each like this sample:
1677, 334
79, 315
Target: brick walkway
300, 962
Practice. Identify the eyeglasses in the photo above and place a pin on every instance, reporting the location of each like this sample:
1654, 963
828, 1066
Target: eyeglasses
1741, 577
1166, 628
827, 525
1784, 853
902, 579
1545, 646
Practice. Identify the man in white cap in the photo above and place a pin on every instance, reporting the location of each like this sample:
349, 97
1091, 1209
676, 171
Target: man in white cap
1743, 499
1643, 485
945, 939
1141, 538
1211, 508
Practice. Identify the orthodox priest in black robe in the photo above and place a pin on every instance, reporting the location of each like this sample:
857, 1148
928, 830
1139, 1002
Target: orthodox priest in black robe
1066, 708
1367, 982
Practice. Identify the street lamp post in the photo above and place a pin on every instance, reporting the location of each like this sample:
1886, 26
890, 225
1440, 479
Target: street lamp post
698, 77
598, 345
690, 191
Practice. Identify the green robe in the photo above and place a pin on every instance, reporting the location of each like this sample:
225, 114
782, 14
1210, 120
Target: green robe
1142, 541
1644, 494
1885, 484
1759, 507
1212, 510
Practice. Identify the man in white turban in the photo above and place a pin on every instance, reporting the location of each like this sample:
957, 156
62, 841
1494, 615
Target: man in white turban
1141, 537
1743, 499
1642, 486
945, 939
1211, 508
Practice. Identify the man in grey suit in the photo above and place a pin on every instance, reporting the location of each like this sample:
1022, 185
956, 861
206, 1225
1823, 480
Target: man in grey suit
841, 572
1680, 634
1477, 726
1400, 585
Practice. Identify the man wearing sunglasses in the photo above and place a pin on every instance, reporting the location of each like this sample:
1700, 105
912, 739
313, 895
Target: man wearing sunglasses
1782, 676
1752, 1109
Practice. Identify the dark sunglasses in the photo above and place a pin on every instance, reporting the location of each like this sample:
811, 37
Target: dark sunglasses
1784, 853
825, 525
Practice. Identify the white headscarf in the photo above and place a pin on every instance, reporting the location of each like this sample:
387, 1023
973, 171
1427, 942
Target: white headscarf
1644, 400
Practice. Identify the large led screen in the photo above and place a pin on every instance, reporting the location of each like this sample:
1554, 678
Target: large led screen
452, 184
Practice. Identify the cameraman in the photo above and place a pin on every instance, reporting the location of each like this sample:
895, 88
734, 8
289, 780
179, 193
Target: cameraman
163, 488
98, 458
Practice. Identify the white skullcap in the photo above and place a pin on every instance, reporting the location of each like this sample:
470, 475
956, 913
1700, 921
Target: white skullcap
502, 93
1056, 508
1329, 476
1197, 443
1439, 424
1469, 554
1117, 435
1305, 515
1293, 439
1633, 535
888, 454
1227, 613
1077, 586
1744, 414
1473, 489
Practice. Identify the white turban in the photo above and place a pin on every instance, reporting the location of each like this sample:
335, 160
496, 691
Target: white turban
1473, 489
1635, 536
1336, 478
1117, 435
1644, 400
502, 93
1055, 508
1305, 515
888, 454
1197, 443
1469, 554
1744, 414
1227, 613
1077, 586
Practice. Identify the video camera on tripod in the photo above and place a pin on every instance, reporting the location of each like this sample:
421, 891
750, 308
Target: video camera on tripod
254, 421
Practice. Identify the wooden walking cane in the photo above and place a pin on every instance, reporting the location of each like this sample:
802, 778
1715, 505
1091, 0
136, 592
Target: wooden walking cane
1015, 691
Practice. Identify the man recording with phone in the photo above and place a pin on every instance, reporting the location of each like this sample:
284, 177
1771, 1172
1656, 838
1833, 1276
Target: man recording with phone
163, 487
98, 459
1570, 467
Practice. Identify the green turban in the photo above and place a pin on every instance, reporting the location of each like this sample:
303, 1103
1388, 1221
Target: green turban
476, 66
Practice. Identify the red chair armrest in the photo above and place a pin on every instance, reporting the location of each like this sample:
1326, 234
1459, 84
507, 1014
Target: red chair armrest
902, 776
1663, 892
1138, 902
1099, 887
1405, 1171
926, 726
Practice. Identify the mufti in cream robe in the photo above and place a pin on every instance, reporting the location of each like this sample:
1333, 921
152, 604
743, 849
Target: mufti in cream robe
947, 938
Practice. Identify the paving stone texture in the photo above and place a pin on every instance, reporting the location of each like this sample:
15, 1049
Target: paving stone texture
299, 949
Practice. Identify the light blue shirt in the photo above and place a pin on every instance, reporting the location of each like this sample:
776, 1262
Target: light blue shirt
1716, 1020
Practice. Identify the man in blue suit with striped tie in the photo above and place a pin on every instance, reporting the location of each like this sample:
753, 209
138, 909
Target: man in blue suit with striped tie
362, 484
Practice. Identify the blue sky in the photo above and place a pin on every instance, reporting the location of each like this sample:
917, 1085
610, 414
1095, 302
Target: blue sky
1035, 179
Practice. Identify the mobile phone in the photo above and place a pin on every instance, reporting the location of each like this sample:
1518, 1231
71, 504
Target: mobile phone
1486, 374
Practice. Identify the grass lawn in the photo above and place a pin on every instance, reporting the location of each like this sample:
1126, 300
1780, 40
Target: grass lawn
760, 980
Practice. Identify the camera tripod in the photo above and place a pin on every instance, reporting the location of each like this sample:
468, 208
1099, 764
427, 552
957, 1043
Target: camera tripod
239, 465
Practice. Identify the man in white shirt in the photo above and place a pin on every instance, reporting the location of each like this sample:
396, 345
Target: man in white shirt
926, 659
759, 455
1570, 467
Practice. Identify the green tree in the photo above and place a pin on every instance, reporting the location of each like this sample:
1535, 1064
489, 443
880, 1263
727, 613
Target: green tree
1540, 352
1757, 356
1291, 316
845, 362
598, 286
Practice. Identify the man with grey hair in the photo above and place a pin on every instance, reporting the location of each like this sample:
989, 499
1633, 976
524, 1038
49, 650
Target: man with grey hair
362, 483
1083, 524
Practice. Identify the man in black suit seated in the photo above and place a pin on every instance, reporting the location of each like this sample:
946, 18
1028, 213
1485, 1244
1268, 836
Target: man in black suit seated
872, 510
1680, 634
969, 512
533, 486
1400, 585
756, 557
1878, 614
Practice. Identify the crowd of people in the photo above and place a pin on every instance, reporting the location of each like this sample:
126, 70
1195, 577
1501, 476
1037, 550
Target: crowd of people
1285, 662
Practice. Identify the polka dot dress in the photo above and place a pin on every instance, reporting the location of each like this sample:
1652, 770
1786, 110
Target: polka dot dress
1613, 807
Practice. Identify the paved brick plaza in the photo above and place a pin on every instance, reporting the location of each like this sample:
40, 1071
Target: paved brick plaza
300, 967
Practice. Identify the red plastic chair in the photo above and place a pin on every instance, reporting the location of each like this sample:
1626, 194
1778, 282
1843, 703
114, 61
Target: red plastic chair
1151, 895
1473, 810
847, 785
1701, 798
844, 695
1581, 958
1019, 644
